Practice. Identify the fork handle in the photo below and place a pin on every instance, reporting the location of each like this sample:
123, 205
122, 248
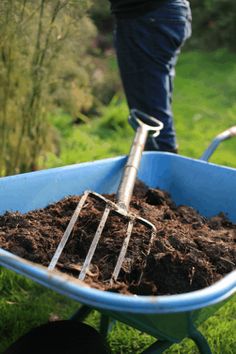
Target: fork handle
125, 189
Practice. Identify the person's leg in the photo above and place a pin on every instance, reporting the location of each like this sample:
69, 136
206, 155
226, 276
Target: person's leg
147, 50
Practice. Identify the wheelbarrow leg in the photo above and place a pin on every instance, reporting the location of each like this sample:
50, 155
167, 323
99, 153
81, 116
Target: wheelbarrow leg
104, 325
158, 347
161, 345
200, 342
82, 313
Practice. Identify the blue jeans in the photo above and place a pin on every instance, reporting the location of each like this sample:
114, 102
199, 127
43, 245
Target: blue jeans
147, 49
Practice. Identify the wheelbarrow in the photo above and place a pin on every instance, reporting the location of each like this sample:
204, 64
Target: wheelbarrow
205, 186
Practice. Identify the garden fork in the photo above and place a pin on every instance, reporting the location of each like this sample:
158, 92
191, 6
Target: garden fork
144, 125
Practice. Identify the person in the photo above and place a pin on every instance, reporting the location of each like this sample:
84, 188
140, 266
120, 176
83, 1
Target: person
148, 38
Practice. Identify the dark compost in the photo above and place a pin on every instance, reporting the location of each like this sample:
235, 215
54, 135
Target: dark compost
189, 253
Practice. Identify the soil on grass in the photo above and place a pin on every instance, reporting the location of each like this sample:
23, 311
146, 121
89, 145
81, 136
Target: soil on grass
190, 252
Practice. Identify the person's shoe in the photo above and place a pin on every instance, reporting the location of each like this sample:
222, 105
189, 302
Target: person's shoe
174, 151
151, 145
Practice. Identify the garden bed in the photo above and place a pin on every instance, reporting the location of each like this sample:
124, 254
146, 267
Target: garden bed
189, 253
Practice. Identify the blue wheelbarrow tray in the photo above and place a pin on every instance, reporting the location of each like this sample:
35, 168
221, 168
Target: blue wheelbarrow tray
207, 187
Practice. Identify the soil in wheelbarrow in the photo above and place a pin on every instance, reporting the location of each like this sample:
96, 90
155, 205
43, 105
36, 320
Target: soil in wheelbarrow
190, 251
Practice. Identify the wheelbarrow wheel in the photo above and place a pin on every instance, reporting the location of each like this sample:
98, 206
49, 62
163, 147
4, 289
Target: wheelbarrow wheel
60, 337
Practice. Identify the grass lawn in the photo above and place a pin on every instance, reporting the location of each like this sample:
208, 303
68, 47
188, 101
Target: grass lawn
204, 106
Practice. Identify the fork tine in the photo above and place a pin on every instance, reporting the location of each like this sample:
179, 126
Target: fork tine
122, 252
94, 243
151, 241
118, 210
67, 232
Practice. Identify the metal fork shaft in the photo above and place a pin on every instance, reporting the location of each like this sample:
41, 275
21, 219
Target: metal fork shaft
143, 124
125, 189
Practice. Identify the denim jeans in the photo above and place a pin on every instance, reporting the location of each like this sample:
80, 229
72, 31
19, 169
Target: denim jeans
147, 49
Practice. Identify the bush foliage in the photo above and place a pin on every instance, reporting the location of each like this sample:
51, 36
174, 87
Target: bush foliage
44, 63
214, 24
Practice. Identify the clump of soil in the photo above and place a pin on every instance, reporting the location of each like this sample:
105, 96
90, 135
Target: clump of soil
190, 252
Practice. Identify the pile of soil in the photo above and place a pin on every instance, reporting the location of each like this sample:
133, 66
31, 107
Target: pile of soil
190, 251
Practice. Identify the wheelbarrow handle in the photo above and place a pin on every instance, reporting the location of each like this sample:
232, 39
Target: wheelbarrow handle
227, 134
144, 125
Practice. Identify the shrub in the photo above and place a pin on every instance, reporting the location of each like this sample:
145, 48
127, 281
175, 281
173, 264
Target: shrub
43, 65
214, 23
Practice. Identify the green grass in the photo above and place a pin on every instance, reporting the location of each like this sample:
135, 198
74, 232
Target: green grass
107, 136
204, 103
25, 304
204, 106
